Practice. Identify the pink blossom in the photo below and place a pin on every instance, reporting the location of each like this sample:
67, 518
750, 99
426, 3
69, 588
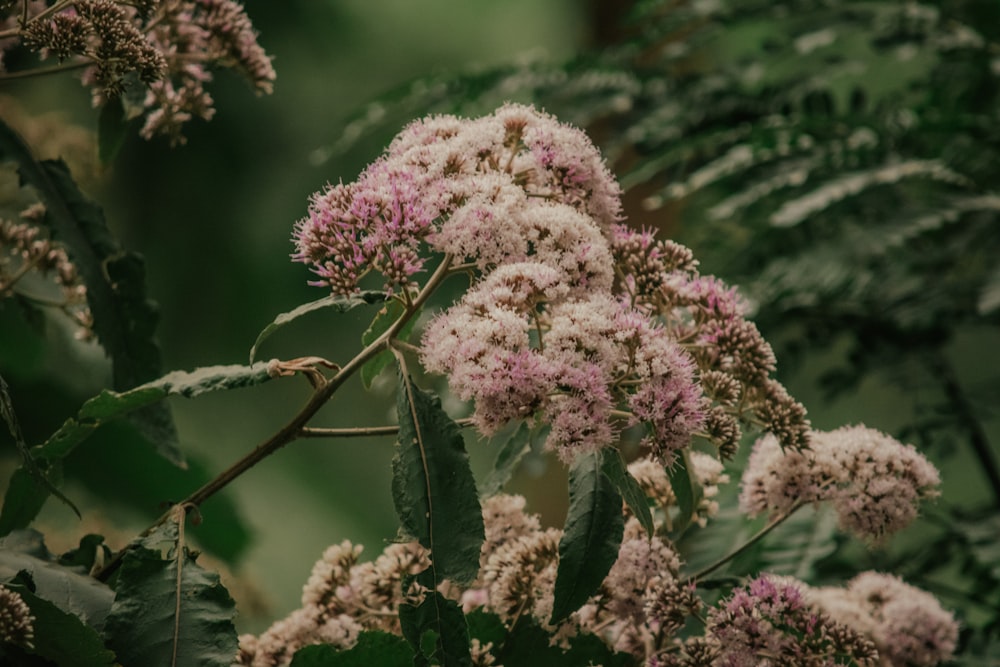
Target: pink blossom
873, 481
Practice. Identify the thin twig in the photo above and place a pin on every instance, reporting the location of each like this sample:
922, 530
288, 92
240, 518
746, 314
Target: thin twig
68, 66
771, 525
293, 430
361, 431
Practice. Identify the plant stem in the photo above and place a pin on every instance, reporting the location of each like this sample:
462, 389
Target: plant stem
294, 429
43, 71
360, 431
771, 525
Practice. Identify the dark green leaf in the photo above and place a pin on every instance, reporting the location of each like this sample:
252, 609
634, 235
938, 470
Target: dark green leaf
528, 645
22, 501
628, 487
385, 318
26, 496
591, 538
123, 318
441, 622
110, 405
508, 458
374, 648
62, 637
338, 303
141, 626
112, 128
432, 485
64, 587
487, 627
686, 490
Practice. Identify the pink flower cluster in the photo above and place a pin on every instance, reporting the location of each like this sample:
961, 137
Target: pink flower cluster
541, 333
908, 625
874, 482
165, 49
493, 190
769, 622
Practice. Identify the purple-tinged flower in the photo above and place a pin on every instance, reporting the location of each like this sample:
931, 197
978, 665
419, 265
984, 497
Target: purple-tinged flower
768, 622
873, 481
373, 224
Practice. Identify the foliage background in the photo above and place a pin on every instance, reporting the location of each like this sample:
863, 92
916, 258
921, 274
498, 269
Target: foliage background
213, 220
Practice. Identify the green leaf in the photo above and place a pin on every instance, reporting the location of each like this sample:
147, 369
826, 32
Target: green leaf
436, 628
64, 587
23, 500
485, 626
686, 488
508, 458
529, 645
432, 485
61, 636
142, 625
374, 647
124, 319
336, 302
591, 537
112, 127
628, 487
29, 486
110, 405
385, 318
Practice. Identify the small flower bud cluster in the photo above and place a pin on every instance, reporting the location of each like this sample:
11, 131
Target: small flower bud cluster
25, 250
873, 481
342, 598
908, 625
168, 46
708, 317
769, 622
642, 607
16, 620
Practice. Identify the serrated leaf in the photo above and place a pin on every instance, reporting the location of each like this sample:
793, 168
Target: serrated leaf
508, 458
64, 587
384, 319
335, 302
112, 127
123, 318
62, 637
142, 624
433, 489
439, 622
686, 489
591, 537
110, 405
628, 487
374, 647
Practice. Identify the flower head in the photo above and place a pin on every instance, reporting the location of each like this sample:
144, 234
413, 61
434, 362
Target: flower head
873, 481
